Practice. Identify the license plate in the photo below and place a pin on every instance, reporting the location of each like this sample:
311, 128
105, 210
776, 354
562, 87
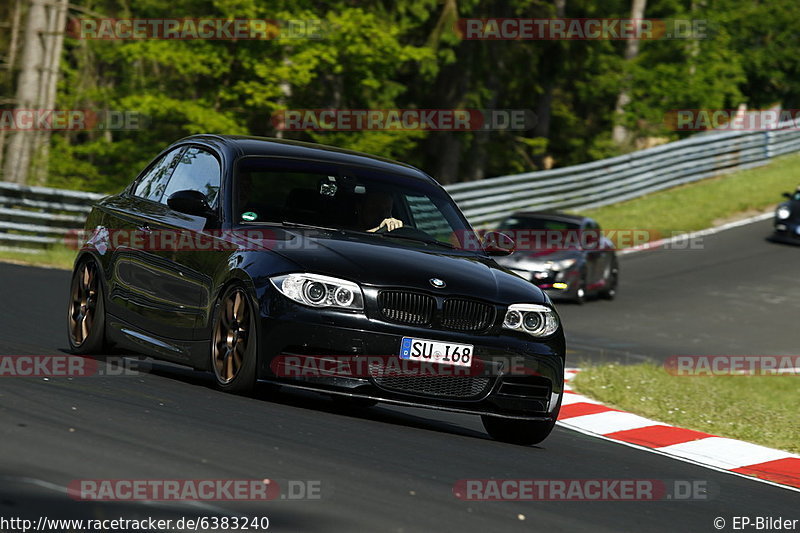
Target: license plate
446, 353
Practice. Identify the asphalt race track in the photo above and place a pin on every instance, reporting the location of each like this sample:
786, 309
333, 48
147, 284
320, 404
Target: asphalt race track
736, 295
392, 469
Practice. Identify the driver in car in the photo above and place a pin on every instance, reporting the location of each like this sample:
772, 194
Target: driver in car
375, 212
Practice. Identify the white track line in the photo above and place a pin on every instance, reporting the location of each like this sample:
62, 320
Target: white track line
691, 235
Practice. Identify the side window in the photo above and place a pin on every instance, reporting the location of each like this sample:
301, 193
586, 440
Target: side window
592, 236
152, 185
197, 170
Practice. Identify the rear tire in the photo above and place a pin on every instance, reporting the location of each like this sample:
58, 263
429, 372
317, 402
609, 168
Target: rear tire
234, 342
522, 432
86, 315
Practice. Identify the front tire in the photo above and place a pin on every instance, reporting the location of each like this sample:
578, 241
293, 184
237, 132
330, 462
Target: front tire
234, 342
613, 280
580, 292
86, 317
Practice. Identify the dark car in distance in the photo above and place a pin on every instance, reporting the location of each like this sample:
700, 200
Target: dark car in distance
257, 259
787, 219
568, 256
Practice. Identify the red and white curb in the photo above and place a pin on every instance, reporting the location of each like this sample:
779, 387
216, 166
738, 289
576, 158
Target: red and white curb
589, 416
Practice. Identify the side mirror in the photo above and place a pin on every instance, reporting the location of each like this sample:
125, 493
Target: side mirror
191, 203
496, 243
787, 195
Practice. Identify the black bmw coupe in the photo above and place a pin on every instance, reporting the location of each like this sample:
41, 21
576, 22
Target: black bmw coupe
787, 219
321, 269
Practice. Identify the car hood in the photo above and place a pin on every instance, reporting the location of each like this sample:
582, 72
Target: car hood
387, 262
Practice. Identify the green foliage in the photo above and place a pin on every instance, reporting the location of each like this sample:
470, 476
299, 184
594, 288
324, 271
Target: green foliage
408, 54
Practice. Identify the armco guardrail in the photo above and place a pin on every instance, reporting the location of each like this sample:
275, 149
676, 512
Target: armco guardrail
33, 217
613, 180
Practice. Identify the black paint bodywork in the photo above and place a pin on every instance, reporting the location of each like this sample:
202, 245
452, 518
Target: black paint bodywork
788, 229
160, 303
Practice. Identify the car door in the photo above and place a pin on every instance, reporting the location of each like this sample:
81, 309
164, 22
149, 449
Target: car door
130, 297
605, 260
181, 269
592, 252
198, 254
151, 290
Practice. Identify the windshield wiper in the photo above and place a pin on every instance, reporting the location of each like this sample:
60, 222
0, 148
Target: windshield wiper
287, 224
417, 239
308, 226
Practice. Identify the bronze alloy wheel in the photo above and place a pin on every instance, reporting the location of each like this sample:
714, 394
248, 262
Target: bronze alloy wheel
233, 342
85, 308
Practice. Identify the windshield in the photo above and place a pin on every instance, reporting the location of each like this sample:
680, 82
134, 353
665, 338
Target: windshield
356, 199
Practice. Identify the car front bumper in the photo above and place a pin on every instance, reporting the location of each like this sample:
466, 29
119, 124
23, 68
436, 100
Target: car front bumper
519, 377
557, 285
786, 231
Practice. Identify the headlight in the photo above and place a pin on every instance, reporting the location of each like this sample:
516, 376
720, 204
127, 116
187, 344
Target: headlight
783, 212
533, 319
564, 264
316, 290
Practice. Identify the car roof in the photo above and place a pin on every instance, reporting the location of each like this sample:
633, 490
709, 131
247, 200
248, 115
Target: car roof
242, 146
551, 215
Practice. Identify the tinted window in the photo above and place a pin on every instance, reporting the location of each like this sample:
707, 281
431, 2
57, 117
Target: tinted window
591, 225
197, 170
346, 198
428, 217
154, 182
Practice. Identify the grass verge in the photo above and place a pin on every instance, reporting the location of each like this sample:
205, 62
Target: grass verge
52, 257
706, 203
762, 410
